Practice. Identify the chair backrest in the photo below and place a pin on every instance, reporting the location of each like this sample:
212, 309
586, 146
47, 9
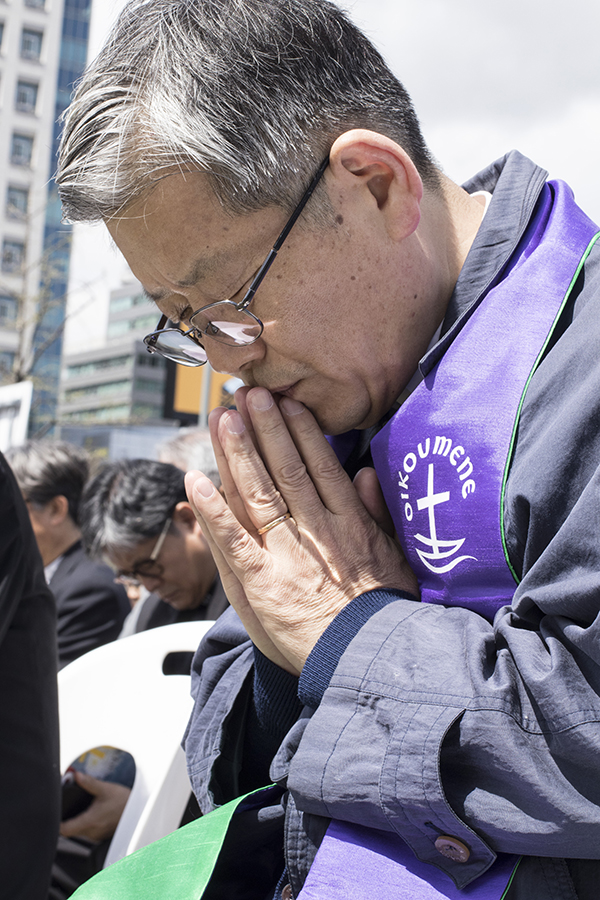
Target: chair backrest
117, 695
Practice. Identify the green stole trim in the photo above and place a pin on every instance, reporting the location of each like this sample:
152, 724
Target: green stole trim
178, 866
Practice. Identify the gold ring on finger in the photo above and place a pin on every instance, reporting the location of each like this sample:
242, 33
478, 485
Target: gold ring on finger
275, 522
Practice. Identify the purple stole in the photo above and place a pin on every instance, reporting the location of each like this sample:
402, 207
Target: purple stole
442, 462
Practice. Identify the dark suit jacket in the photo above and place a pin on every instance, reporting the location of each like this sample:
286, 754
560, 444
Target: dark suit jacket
29, 763
156, 612
91, 608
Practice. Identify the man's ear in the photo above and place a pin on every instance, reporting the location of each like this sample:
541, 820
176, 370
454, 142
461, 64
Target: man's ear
184, 517
375, 168
58, 510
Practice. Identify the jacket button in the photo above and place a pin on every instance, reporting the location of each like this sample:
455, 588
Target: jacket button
452, 848
286, 893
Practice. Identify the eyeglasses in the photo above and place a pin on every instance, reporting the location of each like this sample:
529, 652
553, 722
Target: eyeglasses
147, 568
227, 322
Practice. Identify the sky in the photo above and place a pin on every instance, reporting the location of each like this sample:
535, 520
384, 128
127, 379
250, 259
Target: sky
485, 77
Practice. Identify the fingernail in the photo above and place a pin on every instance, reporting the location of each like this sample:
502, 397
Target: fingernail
260, 399
205, 487
291, 407
235, 423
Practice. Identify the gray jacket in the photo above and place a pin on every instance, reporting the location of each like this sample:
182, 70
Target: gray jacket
446, 723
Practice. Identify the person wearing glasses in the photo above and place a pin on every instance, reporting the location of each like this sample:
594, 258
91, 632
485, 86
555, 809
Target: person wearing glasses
265, 176
136, 516
91, 608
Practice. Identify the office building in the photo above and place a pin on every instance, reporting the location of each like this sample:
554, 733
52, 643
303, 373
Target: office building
43, 49
119, 383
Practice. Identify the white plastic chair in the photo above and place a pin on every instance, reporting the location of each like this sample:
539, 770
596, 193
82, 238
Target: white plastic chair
117, 695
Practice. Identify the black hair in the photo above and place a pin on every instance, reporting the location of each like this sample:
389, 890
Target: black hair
45, 469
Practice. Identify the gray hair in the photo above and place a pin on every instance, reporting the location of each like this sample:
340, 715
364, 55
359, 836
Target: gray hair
192, 449
46, 469
127, 502
252, 93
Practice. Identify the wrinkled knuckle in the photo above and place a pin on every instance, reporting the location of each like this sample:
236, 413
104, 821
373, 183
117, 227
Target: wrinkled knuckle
271, 428
294, 475
246, 554
221, 517
328, 468
267, 495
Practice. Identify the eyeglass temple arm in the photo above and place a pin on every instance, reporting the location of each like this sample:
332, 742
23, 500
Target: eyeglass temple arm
277, 245
150, 339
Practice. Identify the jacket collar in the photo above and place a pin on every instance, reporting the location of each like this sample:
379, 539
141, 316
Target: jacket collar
515, 183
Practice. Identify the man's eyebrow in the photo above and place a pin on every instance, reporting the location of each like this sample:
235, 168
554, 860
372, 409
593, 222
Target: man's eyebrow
207, 265
194, 275
199, 270
154, 297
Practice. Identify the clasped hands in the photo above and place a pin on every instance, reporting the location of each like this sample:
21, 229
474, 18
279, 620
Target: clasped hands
288, 583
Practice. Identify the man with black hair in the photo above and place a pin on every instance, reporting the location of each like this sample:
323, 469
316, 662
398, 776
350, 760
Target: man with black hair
91, 608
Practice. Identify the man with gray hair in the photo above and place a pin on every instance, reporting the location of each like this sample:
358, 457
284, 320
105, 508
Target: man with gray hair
265, 176
135, 515
91, 608
191, 449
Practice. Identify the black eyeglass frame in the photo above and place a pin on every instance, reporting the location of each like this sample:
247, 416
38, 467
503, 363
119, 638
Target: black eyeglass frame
151, 339
133, 578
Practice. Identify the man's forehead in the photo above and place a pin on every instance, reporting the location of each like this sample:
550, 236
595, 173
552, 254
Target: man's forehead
200, 269
182, 217
125, 558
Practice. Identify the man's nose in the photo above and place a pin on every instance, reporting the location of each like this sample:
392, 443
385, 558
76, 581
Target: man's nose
150, 582
233, 360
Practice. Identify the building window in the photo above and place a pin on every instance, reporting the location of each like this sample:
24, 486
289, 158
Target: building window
13, 256
118, 304
31, 43
26, 99
82, 369
17, 200
8, 310
148, 385
144, 411
21, 150
143, 324
1, 33
153, 360
101, 414
96, 390
35, 4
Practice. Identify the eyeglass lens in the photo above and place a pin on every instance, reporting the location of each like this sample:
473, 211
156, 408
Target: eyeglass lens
180, 348
226, 323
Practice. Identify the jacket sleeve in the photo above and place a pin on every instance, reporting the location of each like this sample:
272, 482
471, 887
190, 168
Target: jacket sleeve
243, 707
29, 758
453, 726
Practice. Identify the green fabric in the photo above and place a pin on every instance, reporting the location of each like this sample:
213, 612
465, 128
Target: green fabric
177, 867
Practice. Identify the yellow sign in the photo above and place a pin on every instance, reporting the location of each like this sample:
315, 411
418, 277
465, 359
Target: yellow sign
188, 389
